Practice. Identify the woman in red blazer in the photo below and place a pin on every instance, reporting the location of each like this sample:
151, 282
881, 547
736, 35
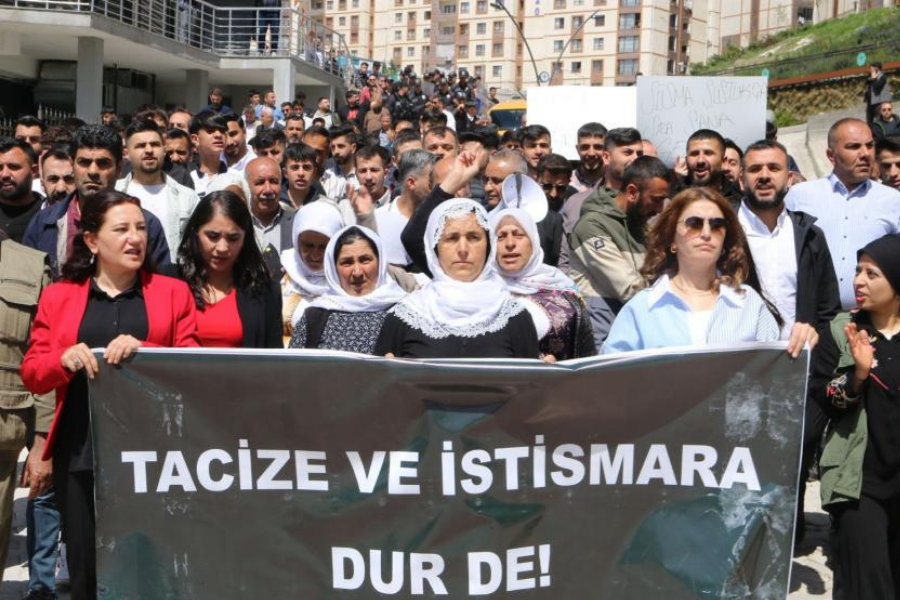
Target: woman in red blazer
108, 298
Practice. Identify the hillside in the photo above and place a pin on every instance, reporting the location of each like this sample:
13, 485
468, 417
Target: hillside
828, 46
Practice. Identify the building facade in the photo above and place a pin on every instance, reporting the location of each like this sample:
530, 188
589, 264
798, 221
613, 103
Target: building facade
573, 42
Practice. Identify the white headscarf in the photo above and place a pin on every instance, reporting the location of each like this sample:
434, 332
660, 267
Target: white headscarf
535, 275
448, 307
385, 295
321, 218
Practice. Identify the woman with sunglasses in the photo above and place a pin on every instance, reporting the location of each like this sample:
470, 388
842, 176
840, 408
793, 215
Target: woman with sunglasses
696, 266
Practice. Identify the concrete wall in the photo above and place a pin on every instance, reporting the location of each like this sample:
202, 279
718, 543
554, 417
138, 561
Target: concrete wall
797, 103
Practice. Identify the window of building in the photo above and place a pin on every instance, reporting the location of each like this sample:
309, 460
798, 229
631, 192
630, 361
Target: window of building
411, 52
627, 67
462, 51
559, 4
630, 21
576, 66
559, 23
426, 33
410, 35
497, 50
576, 46
481, 29
599, 20
629, 43
479, 50
463, 8
479, 70
330, 4
411, 16
317, 6
598, 43
354, 3
448, 9
354, 21
427, 16
329, 22
398, 54
398, 2
498, 27
342, 21
558, 45
398, 17
342, 4
354, 37
398, 36
577, 21
597, 67
629, 2
463, 29
578, 3
673, 21
599, 2
497, 71
481, 6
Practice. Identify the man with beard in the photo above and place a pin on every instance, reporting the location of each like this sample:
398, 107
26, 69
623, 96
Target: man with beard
705, 158
178, 148
294, 126
536, 143
590, 156
888, 152
169, 201
621, 146
731, 165
236, 154
96, 155
272, 222
18, 204
851, 208
57, 175
342, 143
793, 268
607, 244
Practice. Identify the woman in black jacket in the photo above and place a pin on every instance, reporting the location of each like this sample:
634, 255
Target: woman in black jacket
238, 303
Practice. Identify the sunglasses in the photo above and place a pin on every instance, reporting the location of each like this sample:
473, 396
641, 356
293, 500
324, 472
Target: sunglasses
560, 189
696, 223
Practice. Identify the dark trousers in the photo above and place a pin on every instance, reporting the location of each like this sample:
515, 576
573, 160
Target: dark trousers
813, 429
268, 18
75, 500
867, 550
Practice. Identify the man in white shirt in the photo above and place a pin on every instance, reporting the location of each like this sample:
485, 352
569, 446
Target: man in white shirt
793, 267
414, 180
169, 201
851, 208
237, 153
342, 171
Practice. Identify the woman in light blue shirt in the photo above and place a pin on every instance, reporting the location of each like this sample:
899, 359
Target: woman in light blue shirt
696, 265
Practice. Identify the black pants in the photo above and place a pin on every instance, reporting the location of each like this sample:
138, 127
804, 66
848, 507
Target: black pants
813, 429
75, 500
867, 550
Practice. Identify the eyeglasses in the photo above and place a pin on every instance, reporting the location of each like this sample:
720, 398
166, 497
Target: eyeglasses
695, 224
560, 189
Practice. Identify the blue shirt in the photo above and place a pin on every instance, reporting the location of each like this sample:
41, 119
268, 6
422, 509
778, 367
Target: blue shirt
658, 318
850, 220
276, 111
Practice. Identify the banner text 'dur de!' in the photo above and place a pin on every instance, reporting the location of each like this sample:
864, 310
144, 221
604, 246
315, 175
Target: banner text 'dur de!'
323, 476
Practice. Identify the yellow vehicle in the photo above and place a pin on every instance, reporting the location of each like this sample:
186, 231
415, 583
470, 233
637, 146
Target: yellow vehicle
508, 115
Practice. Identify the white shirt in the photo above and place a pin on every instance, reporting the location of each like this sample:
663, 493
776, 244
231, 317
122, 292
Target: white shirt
698, 325
153, 198
775, 255
849, 219
240, 165
451, 120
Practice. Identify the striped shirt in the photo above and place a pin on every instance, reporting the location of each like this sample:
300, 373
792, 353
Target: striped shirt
658, 318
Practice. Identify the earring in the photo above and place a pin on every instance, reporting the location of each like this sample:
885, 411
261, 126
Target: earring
673, 249
93, 258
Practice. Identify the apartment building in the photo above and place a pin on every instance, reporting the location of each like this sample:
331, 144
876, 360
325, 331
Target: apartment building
572, 42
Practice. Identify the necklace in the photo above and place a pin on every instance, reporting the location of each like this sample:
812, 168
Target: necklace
214, 295
680, 287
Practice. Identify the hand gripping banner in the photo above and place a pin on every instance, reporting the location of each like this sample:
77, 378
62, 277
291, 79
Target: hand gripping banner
662, 475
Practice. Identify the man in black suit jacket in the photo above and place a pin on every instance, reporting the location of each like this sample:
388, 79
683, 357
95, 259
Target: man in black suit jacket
272, 223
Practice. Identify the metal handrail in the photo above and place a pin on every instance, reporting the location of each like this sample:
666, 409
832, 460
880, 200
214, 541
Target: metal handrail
223, 31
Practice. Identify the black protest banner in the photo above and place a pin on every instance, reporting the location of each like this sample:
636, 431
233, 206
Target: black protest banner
309, 475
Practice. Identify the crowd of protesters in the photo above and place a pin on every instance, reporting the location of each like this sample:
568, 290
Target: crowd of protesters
382, 228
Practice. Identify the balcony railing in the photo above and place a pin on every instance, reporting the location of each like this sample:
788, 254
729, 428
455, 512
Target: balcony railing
228, 32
